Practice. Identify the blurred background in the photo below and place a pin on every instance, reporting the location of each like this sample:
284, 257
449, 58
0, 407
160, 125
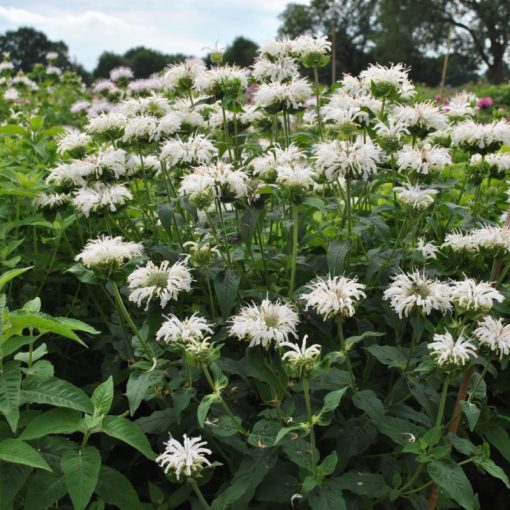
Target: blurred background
93, 37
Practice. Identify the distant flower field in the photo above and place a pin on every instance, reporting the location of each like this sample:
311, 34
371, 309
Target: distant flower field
240, 288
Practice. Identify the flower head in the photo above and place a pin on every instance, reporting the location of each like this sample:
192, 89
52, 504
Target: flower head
164, 282
414, 196
468, 295
105, 251
265, 324
183, 331
334, 296
187, 458
494, 334
300, 357
448, 352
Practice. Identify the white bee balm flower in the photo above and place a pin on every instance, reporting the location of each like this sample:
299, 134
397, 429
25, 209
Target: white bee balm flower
449, 352
469, 295
176, 330
107, 250
494, 334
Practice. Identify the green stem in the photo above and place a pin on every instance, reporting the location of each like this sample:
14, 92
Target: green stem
124, 312
348, 205
341, 341
308, 404
317, 100
480, 379
442, 401
295, 232
198, 492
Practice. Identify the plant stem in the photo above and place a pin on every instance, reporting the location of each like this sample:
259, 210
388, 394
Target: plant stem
341, 340
295, 232
308, 404
198, 493
348, 205
317, 100
124, 312
442, 401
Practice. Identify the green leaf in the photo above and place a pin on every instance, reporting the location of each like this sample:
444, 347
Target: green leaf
56, 392
128, 432
490, 467
327, 497
368, 401
461, 444
12, 479
472, 412
44, 490
328, 465
226, 285
353, 340
498, 437
204, 406
454, 482
137, 386
102, 397
10, 275
19, 452
287, 430
337, 251
83, 274
117, 490
331, 402
10, 383
13, 129
364, 484
55, 421
81, 471
388, 355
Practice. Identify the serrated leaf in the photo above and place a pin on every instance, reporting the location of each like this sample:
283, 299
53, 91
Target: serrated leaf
472, 412
388, 355
10, 275
12, 479
117, 490
10, 384
55, 421
368, 401
102, 397
204, 406
451, 478
364, 484
328, 496
489, 466
337, 252
44, 490
19, 452
128, 432
56, 392
81, 471
226, 285
331, 402
137, 386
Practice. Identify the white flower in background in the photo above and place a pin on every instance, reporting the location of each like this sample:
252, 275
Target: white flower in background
73, 173
51, 55
143, 86
458, 241
79, 106
494, 334
352, 85
100, 196
121, 73
425, 159
6, 66
191, 113
106, 122
414, 291
265, 166
415, 196
223, 79
198, 149
50, 200
295, 176
163, 283
155, 105
385, 78
182, 75
170, 123
265, 324
491, 238
141, 127
281, 69
342, 110
183, 331
11, 94
420, 116
106, 250
482, 136
113, 160
73, 140
276, 96
461, 104
468, 295
334, 296
187, 458
105, 87
306, 45
391, 129
277, 48
53, 70
100, 106
300, 356
341, 158
500, 161
449, 352
150, 164
427, 249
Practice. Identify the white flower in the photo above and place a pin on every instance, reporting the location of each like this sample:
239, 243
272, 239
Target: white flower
264, 166
299, 356
341, 158
351, 85
413, 291
100, 196
500, 161
277, 96
53, 70
183, 74
343, 110
395, 76
164, 282
79, 106
11, 94
393, 129
469, 295
107, 250
277, 48
51, 55
306, 45
105, 87
420, 116
264, 324
414, 196
461, 105
176, 330
187, 458
482, 136
170, 123
198, 149
121, 73
447, 351
143, 86
428, 250
423, 160
494, 334
105, 122
335, 296
458, 241
73, 173
50, 200
295, 176
141, 127
155, 105
281, 69
111, 159
222, 78
71, 140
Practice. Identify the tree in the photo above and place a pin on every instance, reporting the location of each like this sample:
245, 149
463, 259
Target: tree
241, 52
108, 61
28, 47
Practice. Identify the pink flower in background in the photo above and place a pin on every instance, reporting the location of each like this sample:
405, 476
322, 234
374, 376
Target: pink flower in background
250, 90
485, 102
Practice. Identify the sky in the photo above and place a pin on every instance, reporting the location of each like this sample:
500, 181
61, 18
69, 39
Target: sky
90, 27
